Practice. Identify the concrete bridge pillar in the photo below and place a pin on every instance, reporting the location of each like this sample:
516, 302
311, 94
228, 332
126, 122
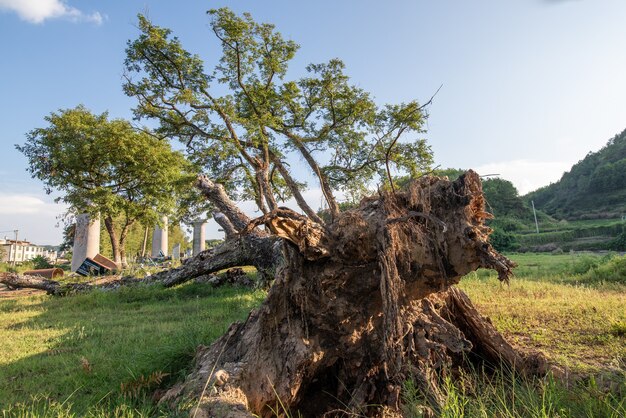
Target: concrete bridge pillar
159, 239
198, 236
86, 239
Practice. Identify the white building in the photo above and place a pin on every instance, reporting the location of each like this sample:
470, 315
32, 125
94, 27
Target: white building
20, 251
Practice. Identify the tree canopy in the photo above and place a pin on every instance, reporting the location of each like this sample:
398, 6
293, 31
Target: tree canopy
106, 167
242, 120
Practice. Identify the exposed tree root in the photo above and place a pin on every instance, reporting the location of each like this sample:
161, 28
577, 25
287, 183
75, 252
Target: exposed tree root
360, 307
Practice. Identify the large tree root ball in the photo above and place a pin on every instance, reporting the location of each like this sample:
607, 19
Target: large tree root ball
360, 306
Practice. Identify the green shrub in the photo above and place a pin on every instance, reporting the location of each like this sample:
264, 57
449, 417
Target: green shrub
619, 243
41, 262
585, 263
503, 241
612, 269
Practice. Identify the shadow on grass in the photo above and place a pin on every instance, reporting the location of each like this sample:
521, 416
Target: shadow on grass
80, 349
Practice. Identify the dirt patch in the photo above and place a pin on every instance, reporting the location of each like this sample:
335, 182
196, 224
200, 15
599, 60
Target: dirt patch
6, 293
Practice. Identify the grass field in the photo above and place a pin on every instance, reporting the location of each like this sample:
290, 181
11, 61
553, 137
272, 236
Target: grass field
78, 351
102, 354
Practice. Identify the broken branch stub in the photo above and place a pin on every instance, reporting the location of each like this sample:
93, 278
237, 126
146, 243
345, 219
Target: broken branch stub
360, 306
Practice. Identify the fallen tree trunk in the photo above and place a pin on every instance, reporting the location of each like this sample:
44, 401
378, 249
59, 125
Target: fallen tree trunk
52, 287
262, 252
358, 308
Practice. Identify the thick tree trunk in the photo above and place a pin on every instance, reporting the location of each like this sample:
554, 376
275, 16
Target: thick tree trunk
295, 191
115, 244
52, 287
359, 308
217, 195
248, 250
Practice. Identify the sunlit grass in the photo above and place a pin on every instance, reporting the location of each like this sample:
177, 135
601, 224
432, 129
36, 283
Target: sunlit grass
69, 356
78, 350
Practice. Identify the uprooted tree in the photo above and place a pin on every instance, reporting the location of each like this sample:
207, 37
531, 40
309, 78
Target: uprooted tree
357, 307
360, 302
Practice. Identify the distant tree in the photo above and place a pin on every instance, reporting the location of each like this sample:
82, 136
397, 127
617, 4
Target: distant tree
503, 241
451, 173
106, 167
41, 262
503, 199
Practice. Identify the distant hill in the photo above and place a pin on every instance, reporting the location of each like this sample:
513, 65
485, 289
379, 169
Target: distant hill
514, 225
595, 187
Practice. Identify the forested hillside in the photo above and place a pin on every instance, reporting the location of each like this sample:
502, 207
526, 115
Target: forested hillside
514, 226
594, 188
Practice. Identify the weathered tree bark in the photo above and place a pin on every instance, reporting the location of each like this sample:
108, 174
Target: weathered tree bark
227, 226
52, 287
262, 252
217, 195
359, 308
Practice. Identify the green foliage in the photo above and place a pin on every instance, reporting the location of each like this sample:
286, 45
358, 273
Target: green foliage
451, 173
619, 243
610, 270
594, 187
212, 243
569, 234
244, 138
503, 200
41, 262
503, 241
106, 167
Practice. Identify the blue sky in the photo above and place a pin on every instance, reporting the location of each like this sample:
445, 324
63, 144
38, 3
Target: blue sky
529, 86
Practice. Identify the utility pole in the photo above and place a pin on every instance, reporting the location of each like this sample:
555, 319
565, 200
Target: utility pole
15, 256
535, 213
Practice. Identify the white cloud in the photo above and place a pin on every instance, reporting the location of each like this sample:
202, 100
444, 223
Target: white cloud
37, 11
526, 175
35, 218
20, 204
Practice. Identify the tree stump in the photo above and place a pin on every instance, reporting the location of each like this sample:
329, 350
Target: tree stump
360, 306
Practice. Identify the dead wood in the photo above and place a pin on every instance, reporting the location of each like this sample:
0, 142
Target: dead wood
258, 249
52, 287
360, 306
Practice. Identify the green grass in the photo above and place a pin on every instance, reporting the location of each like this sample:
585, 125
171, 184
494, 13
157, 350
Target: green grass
575, 326
65, 357
78, 350
569, 307
505, 395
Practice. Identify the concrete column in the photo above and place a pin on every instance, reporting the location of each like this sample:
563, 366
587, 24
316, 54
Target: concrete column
176, 252
159, 239
86, 239
199, 239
